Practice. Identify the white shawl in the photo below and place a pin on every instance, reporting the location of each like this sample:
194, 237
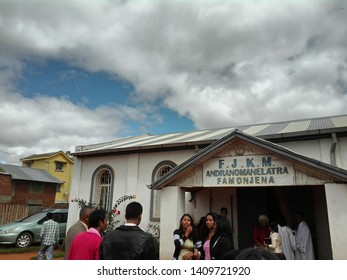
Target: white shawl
288, 241
304, 245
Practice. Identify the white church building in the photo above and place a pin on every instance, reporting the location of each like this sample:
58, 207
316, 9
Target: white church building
269, 168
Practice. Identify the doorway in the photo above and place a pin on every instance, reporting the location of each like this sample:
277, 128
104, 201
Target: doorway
274, 201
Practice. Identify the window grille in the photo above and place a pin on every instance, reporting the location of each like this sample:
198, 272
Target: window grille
102, 189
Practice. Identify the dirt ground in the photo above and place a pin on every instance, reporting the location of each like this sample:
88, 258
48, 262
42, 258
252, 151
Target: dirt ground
23, 256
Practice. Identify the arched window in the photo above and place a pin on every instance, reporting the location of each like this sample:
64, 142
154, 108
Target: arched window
161, 169
103, 187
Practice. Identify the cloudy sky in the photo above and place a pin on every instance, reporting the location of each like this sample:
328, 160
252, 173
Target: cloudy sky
75, 72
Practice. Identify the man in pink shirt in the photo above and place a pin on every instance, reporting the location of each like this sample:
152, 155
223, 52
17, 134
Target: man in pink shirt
85, 245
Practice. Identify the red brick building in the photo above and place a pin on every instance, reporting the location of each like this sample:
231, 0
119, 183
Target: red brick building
34, 188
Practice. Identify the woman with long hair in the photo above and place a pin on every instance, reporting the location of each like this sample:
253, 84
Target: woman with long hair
216, 242
187, 245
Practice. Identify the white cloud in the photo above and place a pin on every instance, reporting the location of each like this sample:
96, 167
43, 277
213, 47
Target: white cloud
220, 63
46, 123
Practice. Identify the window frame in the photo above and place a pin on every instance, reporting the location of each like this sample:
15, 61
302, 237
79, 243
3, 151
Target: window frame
94, 185
59, 164
154, 193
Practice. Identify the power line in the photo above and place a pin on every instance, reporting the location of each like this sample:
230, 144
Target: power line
9, 154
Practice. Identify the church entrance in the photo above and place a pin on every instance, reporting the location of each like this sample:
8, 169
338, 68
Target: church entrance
274, 201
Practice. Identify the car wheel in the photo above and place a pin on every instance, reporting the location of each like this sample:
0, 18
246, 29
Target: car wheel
24, 240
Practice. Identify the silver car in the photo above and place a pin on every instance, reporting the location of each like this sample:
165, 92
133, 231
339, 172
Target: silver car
26, 231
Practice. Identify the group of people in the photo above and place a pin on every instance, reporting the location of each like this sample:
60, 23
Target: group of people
278, 238
85, 240
211, 240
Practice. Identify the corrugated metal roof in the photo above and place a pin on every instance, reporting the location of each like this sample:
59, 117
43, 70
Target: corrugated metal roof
29, 174
46, 155
266, 131
296, 126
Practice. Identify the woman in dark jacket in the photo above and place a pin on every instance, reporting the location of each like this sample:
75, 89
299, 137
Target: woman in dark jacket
185, 240
215, 238
225, 242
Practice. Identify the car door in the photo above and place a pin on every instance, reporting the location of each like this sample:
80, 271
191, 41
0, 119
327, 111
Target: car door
37, 229
61, 219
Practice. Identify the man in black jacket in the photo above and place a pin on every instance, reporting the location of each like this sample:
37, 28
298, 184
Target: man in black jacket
128, 242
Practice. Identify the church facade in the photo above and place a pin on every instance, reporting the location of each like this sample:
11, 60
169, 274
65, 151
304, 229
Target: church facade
271, 168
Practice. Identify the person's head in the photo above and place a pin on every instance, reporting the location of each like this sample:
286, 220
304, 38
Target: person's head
211, 221
273, 227
185, 221
98, 220
263, 220
282, 221
133, 212
85, 213
224, 212
299, 217
49, 215
257, 253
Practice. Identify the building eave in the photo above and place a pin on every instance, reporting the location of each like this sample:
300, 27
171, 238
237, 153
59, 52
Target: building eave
203, 155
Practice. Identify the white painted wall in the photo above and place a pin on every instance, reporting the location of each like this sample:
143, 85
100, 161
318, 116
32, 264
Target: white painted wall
320, 150
132, 175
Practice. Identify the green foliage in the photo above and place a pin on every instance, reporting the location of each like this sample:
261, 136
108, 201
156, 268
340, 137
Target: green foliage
154, 229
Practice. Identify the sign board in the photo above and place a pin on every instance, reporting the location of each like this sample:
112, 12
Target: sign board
256, 170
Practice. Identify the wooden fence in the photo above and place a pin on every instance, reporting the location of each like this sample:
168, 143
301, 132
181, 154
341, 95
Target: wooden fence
10, 213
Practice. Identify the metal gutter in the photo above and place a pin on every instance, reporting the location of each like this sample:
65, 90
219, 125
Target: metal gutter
333, 149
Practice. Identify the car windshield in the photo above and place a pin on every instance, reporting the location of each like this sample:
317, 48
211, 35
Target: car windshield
33, 217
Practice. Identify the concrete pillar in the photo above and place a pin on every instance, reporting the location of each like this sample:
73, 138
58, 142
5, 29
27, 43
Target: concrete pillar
171, 210
336, 195
75, 193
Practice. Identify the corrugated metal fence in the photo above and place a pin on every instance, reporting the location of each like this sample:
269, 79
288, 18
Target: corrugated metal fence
10, 213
